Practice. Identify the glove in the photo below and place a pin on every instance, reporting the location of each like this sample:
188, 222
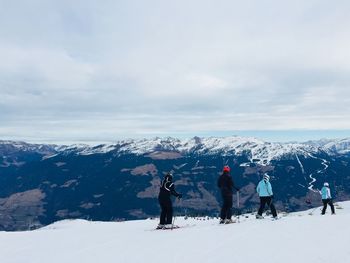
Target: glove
179, 196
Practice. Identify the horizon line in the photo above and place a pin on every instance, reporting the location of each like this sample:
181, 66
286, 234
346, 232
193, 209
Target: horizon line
278, 136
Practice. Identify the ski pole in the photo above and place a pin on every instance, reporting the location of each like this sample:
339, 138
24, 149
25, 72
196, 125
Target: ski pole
312, 211
174, 218
238, 212
183, 213
172, 226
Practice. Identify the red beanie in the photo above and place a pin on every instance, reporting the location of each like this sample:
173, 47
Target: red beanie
226, 168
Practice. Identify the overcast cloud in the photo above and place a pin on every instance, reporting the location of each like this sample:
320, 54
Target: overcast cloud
99, 70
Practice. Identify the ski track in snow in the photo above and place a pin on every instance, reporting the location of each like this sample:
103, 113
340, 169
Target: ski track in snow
180, 166
301, 165
196, 165
320, 171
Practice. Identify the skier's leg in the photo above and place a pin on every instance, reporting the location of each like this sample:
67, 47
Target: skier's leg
330, 202
163, 212
262, 205
224, 208
229, 207
223, 213
162, 217
272, 207
324, 206
169, 217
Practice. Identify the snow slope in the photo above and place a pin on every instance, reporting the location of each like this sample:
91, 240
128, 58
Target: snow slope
297, 237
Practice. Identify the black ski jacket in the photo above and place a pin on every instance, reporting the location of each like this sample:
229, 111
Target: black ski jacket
226, 185
167, 189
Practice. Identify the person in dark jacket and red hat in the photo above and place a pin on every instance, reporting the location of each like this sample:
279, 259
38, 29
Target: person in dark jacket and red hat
167, 189
226, 185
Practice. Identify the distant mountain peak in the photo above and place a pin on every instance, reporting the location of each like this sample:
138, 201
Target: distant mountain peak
258, 149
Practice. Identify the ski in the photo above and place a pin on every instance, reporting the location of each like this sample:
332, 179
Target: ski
229, 222
168, 228
171, 228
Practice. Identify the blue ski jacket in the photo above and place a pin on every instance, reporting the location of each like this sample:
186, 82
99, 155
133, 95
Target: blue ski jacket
326, 193
264, 188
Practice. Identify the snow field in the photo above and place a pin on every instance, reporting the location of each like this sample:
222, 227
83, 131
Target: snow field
298, 237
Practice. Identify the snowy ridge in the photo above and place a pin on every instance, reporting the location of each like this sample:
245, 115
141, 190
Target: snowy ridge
22, 145
338, 146
17, 146
298, 237
257, 150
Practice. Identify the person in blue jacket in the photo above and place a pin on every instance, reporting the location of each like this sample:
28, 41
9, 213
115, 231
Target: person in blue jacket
326, 198
264, 190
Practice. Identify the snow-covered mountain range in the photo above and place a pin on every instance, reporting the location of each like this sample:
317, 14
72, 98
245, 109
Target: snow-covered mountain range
259, 150
213, 145
45, 183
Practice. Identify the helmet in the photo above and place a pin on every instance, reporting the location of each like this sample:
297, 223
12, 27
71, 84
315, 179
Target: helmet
326, 184
226, 169
266, 177
169, 176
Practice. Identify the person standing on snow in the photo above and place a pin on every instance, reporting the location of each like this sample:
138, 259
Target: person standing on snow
326, 198
264, 190
226, 185
167, 189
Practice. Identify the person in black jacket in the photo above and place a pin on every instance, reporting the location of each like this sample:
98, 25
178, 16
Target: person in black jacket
226, 185
167, 189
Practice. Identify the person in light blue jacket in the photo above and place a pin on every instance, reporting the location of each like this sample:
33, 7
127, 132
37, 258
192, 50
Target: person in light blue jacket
264, 189
326, 198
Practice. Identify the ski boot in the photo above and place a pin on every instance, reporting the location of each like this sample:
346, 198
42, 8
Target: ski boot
229, 221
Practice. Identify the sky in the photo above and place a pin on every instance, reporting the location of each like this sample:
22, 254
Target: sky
107, 70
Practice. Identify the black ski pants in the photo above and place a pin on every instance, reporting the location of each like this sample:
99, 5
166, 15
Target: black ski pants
226, 209
166, 215
267, 200
325, 203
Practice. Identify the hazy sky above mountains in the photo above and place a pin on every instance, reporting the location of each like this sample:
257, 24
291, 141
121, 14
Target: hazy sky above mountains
103, 70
